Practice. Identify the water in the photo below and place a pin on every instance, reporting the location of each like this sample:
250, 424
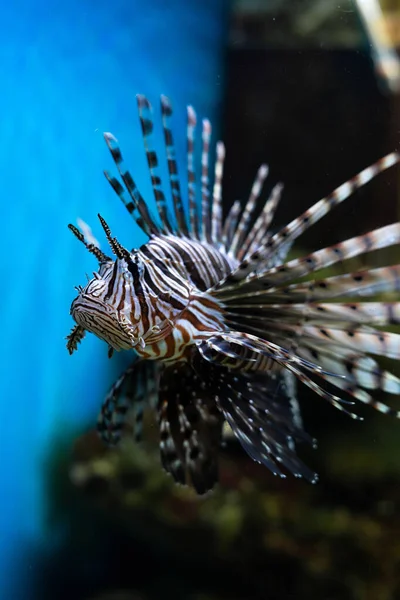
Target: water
77, 521
71, 71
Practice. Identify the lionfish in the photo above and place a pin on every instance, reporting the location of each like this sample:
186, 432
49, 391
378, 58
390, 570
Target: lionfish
223, 324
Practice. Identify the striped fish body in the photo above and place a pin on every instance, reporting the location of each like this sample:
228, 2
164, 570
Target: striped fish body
178, 273
160, 306
223, 325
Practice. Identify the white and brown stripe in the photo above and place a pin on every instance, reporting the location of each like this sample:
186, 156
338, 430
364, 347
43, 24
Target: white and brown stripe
226, 321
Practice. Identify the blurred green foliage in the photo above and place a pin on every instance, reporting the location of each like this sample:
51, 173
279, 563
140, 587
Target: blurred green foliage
255, 536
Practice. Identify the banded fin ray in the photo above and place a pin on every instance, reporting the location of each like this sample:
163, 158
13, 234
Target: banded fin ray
146, 121
126, 401
136, 206
298, 226
191, 173
368, 313
380, 238
166, 112
230, 224
260, 230
261, 414
205, 192
190, 428
216, 214
365, 283
248, 211
248, 352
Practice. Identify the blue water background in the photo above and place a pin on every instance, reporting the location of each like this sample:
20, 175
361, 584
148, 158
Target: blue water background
71, 71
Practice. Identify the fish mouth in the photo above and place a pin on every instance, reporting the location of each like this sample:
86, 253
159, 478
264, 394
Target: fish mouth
101, 320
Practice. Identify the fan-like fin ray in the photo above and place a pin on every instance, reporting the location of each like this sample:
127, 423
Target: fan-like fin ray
126, 401
248, 211
370, 313
205, 192
190, 428
259, 233
191, 173
166, 112
136, 206
216, 216
230, 225
295, 228
377, 239
365, 283
263, 415
146, 121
